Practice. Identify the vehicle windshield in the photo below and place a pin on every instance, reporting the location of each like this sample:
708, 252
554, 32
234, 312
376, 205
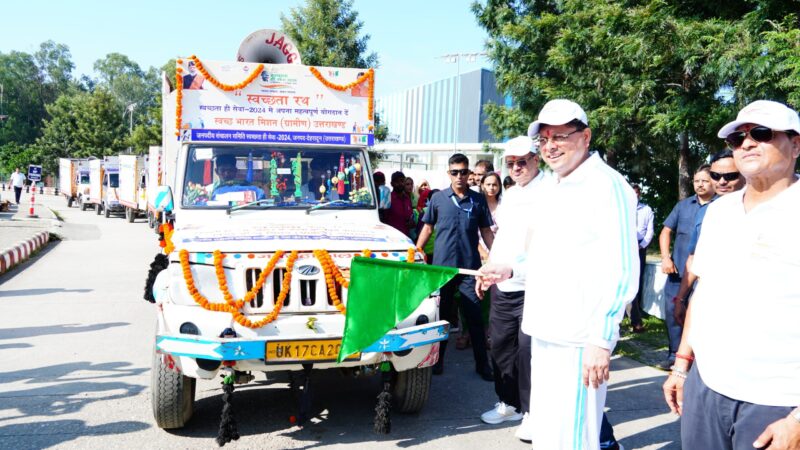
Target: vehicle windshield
113, 180
84, 179
224, 176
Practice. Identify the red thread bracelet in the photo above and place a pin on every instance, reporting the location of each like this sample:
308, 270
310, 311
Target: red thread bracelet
686, 357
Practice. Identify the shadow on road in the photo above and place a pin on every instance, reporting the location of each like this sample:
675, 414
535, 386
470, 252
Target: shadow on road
67, 328
46, 291
45, 434
636, 401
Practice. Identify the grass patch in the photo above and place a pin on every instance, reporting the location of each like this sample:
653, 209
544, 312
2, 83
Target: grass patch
650, 347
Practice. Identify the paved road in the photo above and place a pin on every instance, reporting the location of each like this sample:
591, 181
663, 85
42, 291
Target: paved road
76, 341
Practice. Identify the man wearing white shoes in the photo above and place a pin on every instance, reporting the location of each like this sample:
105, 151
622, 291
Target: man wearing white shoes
581, 270
510, 350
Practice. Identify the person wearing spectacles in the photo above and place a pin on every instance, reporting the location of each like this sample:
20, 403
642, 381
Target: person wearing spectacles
726, 179
510, 348
459, 214
581, 270
741, 325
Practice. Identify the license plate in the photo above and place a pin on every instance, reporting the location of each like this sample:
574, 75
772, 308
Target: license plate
311, 350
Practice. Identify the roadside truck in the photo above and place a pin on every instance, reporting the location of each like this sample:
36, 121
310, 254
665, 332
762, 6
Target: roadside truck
267, 198
133, 185
73, 179
153, 179
104, 185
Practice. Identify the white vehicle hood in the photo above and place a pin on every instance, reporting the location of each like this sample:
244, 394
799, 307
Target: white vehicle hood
261, 236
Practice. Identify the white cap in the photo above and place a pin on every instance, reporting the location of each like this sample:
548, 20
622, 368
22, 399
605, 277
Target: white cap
767, 113
519, 146
558, 112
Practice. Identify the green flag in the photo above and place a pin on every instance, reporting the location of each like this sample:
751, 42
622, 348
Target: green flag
382, 294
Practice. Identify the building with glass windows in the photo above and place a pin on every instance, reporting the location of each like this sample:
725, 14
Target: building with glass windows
428, 123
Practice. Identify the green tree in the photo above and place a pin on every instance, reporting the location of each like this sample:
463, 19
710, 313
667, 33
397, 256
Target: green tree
81, 125
652, 74
327, 33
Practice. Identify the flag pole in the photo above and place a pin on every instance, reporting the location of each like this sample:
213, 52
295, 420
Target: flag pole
474, 273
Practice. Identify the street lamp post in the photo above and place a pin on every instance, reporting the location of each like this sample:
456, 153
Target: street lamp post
129, 110
456, 58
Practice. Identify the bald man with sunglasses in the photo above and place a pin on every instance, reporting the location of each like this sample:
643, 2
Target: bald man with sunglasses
736, 382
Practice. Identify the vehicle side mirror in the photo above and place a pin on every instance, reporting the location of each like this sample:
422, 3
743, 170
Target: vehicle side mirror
163, 199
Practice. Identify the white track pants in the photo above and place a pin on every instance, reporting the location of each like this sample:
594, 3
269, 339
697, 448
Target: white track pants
564, 414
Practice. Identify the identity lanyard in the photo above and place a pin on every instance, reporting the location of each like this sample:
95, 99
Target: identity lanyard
468, 211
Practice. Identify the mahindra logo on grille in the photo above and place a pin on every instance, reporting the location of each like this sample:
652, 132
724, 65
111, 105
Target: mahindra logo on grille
308, 270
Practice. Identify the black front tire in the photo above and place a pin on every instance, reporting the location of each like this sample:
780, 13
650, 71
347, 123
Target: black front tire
410, 389
69, 202
98, 208
171, 393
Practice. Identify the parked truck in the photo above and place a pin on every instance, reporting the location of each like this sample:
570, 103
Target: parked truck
267, 197
133, 185
73, 179
104, 185
154, 176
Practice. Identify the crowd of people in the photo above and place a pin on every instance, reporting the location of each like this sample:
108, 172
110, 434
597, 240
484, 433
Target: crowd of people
561, 254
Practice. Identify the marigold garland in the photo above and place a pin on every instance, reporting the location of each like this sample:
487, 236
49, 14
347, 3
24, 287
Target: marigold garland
166, 230
332, 277
226, 87
251, 294
332, 272
226, 307
369, 76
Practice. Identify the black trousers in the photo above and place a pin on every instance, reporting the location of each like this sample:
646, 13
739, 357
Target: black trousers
510, 349
638, 302
17, 193
471, 309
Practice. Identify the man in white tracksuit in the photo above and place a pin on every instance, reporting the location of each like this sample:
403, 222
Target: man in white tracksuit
581, 271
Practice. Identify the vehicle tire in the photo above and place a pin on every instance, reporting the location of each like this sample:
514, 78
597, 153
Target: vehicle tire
69, 202
171, 393
150, 220
130, 214
410, 389
106, 211
82, 205
98, 208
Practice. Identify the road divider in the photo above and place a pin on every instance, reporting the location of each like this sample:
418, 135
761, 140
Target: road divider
22, 251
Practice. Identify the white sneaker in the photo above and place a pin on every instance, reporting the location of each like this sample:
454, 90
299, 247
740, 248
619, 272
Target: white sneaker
524, 432
500, 413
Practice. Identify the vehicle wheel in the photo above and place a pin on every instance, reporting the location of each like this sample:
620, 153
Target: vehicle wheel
98, 208
130, 214
150, 219
107, 212
69, 202
410, 389
83, 205
171, 393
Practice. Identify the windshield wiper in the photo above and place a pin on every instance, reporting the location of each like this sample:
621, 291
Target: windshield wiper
328, 205
238, 207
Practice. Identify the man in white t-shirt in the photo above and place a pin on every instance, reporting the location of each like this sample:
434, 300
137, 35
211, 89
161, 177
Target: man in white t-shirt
742, 324
511, 348
573, 305
18, 182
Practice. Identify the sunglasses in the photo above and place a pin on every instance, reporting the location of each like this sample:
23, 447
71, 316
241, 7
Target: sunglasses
457, 172
519, 163
758, 134
729, 176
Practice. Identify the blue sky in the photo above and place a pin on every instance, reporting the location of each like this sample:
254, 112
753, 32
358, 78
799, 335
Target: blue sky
408, 35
